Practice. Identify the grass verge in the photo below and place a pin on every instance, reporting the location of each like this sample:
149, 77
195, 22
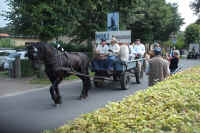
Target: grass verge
3, 73
171, 106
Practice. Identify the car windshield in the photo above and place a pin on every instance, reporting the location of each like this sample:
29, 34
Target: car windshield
13, 55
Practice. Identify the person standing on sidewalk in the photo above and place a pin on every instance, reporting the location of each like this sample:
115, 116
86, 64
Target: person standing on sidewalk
174, 62
158, 68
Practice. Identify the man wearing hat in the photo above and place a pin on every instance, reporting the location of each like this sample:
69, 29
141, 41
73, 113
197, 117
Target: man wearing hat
114, 47
113, 53
157, 68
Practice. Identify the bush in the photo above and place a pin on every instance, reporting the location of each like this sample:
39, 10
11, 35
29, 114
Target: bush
7, 43
169, 106
73, 47
26, 68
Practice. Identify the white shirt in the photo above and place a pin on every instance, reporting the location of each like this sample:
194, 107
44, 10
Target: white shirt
138, 49
115, 48
130, 49
102, 49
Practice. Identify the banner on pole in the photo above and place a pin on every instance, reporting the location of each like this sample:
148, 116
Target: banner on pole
113, 21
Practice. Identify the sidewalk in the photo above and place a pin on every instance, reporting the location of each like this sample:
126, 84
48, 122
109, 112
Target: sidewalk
10, 86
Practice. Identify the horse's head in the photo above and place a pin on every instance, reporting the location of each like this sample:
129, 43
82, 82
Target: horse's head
34, 53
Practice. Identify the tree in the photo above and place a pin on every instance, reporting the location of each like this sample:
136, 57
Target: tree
180, 40
80, 19
195, 6
192, 34
156, 26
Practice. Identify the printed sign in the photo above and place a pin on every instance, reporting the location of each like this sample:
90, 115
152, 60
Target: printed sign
113, 21
121, 36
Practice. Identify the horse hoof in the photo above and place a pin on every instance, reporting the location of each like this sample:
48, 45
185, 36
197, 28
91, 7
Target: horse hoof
83, 97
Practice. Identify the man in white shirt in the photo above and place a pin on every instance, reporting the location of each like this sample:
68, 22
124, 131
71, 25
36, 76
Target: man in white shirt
101, 55
138, 52
102, 49
113, 53
114, 47
138, 49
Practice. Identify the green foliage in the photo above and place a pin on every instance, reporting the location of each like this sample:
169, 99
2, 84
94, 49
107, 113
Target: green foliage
6, 43
180, 41
195, 5
170, 106
153, 25
72, 47
26, 68
192, 34
80, 19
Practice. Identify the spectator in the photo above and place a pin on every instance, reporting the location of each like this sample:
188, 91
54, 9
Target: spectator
158, 68
174, 62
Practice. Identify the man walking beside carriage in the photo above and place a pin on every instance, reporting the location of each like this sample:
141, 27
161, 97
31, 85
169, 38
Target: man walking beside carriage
158, 68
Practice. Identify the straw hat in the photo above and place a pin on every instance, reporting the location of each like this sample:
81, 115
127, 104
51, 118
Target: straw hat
114, 39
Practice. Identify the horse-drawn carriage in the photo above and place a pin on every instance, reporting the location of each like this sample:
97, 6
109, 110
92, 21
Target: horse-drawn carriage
123, 71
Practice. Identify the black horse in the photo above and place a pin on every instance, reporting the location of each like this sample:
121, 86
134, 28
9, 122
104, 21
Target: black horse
59, 65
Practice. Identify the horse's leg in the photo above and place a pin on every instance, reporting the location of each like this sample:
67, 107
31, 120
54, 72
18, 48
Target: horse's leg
84, 89
55, 88
86, 80
86, 86
51, 89
58, 97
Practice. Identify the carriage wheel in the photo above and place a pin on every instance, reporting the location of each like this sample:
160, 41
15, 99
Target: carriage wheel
124, 80
115, 76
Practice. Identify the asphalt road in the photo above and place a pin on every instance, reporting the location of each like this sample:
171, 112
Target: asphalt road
32, 112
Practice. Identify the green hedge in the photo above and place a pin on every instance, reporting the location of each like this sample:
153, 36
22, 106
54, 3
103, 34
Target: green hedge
170, 106
7, 43
26, 68
73, 47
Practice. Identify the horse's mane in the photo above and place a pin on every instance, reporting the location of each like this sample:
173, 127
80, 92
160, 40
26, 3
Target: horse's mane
44, 47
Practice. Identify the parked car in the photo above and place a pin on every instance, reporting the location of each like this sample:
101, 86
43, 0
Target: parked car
4, 54
11, 57
192, 55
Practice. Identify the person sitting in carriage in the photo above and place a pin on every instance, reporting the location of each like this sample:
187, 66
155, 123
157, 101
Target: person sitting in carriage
138, 49
113, 53
101, 56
